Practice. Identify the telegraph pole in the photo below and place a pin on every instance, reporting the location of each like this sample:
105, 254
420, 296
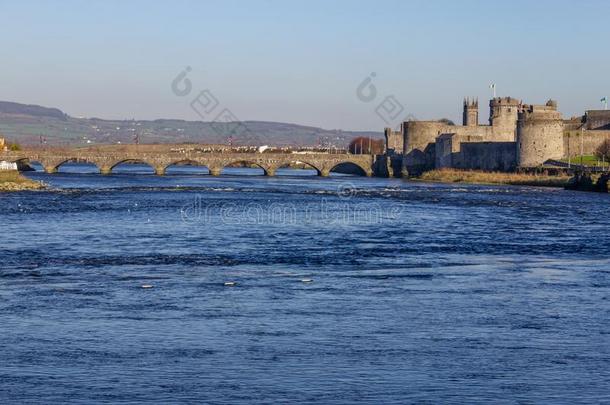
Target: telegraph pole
582, 144
569, 156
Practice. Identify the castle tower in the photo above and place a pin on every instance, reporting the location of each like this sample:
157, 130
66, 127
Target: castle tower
503, 113
539, 134
470, 117
393, 140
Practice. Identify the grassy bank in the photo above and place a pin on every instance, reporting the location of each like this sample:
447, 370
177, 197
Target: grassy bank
13, 181
586, 160
479, 177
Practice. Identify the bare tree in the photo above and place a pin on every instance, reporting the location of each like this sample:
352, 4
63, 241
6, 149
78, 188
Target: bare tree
366, 145
603, 150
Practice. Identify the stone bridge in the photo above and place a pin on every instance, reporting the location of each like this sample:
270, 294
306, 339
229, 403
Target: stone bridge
106, 158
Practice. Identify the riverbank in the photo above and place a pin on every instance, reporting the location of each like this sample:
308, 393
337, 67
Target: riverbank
479, 177
14, 181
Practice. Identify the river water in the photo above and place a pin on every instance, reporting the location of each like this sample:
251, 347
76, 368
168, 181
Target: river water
340, 289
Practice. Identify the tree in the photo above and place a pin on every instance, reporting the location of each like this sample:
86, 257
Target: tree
14, 147
446, 121
366, 145
603, 150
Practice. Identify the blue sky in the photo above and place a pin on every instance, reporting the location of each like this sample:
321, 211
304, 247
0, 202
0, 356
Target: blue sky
302, 61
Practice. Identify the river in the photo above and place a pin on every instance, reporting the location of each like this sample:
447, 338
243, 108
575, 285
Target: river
242, 288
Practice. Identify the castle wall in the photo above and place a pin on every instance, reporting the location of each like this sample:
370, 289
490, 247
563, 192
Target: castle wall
420, 134
597, 119
489, 156
420, 141
443, 151
588, 141
503, 134
483, 131
447, 148
470, 152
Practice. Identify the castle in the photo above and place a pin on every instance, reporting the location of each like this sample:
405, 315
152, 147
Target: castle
518, 136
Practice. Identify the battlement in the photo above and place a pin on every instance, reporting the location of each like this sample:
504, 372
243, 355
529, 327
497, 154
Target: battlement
474, 103
504, 101
548, 111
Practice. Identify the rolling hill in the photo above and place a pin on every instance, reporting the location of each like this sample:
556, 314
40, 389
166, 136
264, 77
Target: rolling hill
31, 124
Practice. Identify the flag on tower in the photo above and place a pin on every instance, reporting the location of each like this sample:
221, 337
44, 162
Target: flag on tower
493, 89
604, 101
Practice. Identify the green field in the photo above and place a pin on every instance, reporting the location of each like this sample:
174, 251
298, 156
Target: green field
587, 160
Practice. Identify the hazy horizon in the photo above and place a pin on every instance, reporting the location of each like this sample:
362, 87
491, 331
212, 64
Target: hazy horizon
301, 62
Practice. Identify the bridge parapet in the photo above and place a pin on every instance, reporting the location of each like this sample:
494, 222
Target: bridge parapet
107, 159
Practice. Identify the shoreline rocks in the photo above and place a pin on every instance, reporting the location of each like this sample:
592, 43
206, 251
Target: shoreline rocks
585, 182
12, 181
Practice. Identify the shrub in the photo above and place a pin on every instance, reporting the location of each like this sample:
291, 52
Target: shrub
603, 150
446, 121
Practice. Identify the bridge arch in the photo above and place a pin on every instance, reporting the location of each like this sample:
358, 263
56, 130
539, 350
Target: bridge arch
190, 162
52, 165
350, 167
267, 170
55, 167
111, 167
289, 162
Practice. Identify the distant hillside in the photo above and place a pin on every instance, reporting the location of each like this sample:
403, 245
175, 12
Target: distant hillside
7, 107
28, 124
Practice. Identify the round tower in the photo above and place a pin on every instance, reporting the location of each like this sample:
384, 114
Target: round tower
419, 142
539, 134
